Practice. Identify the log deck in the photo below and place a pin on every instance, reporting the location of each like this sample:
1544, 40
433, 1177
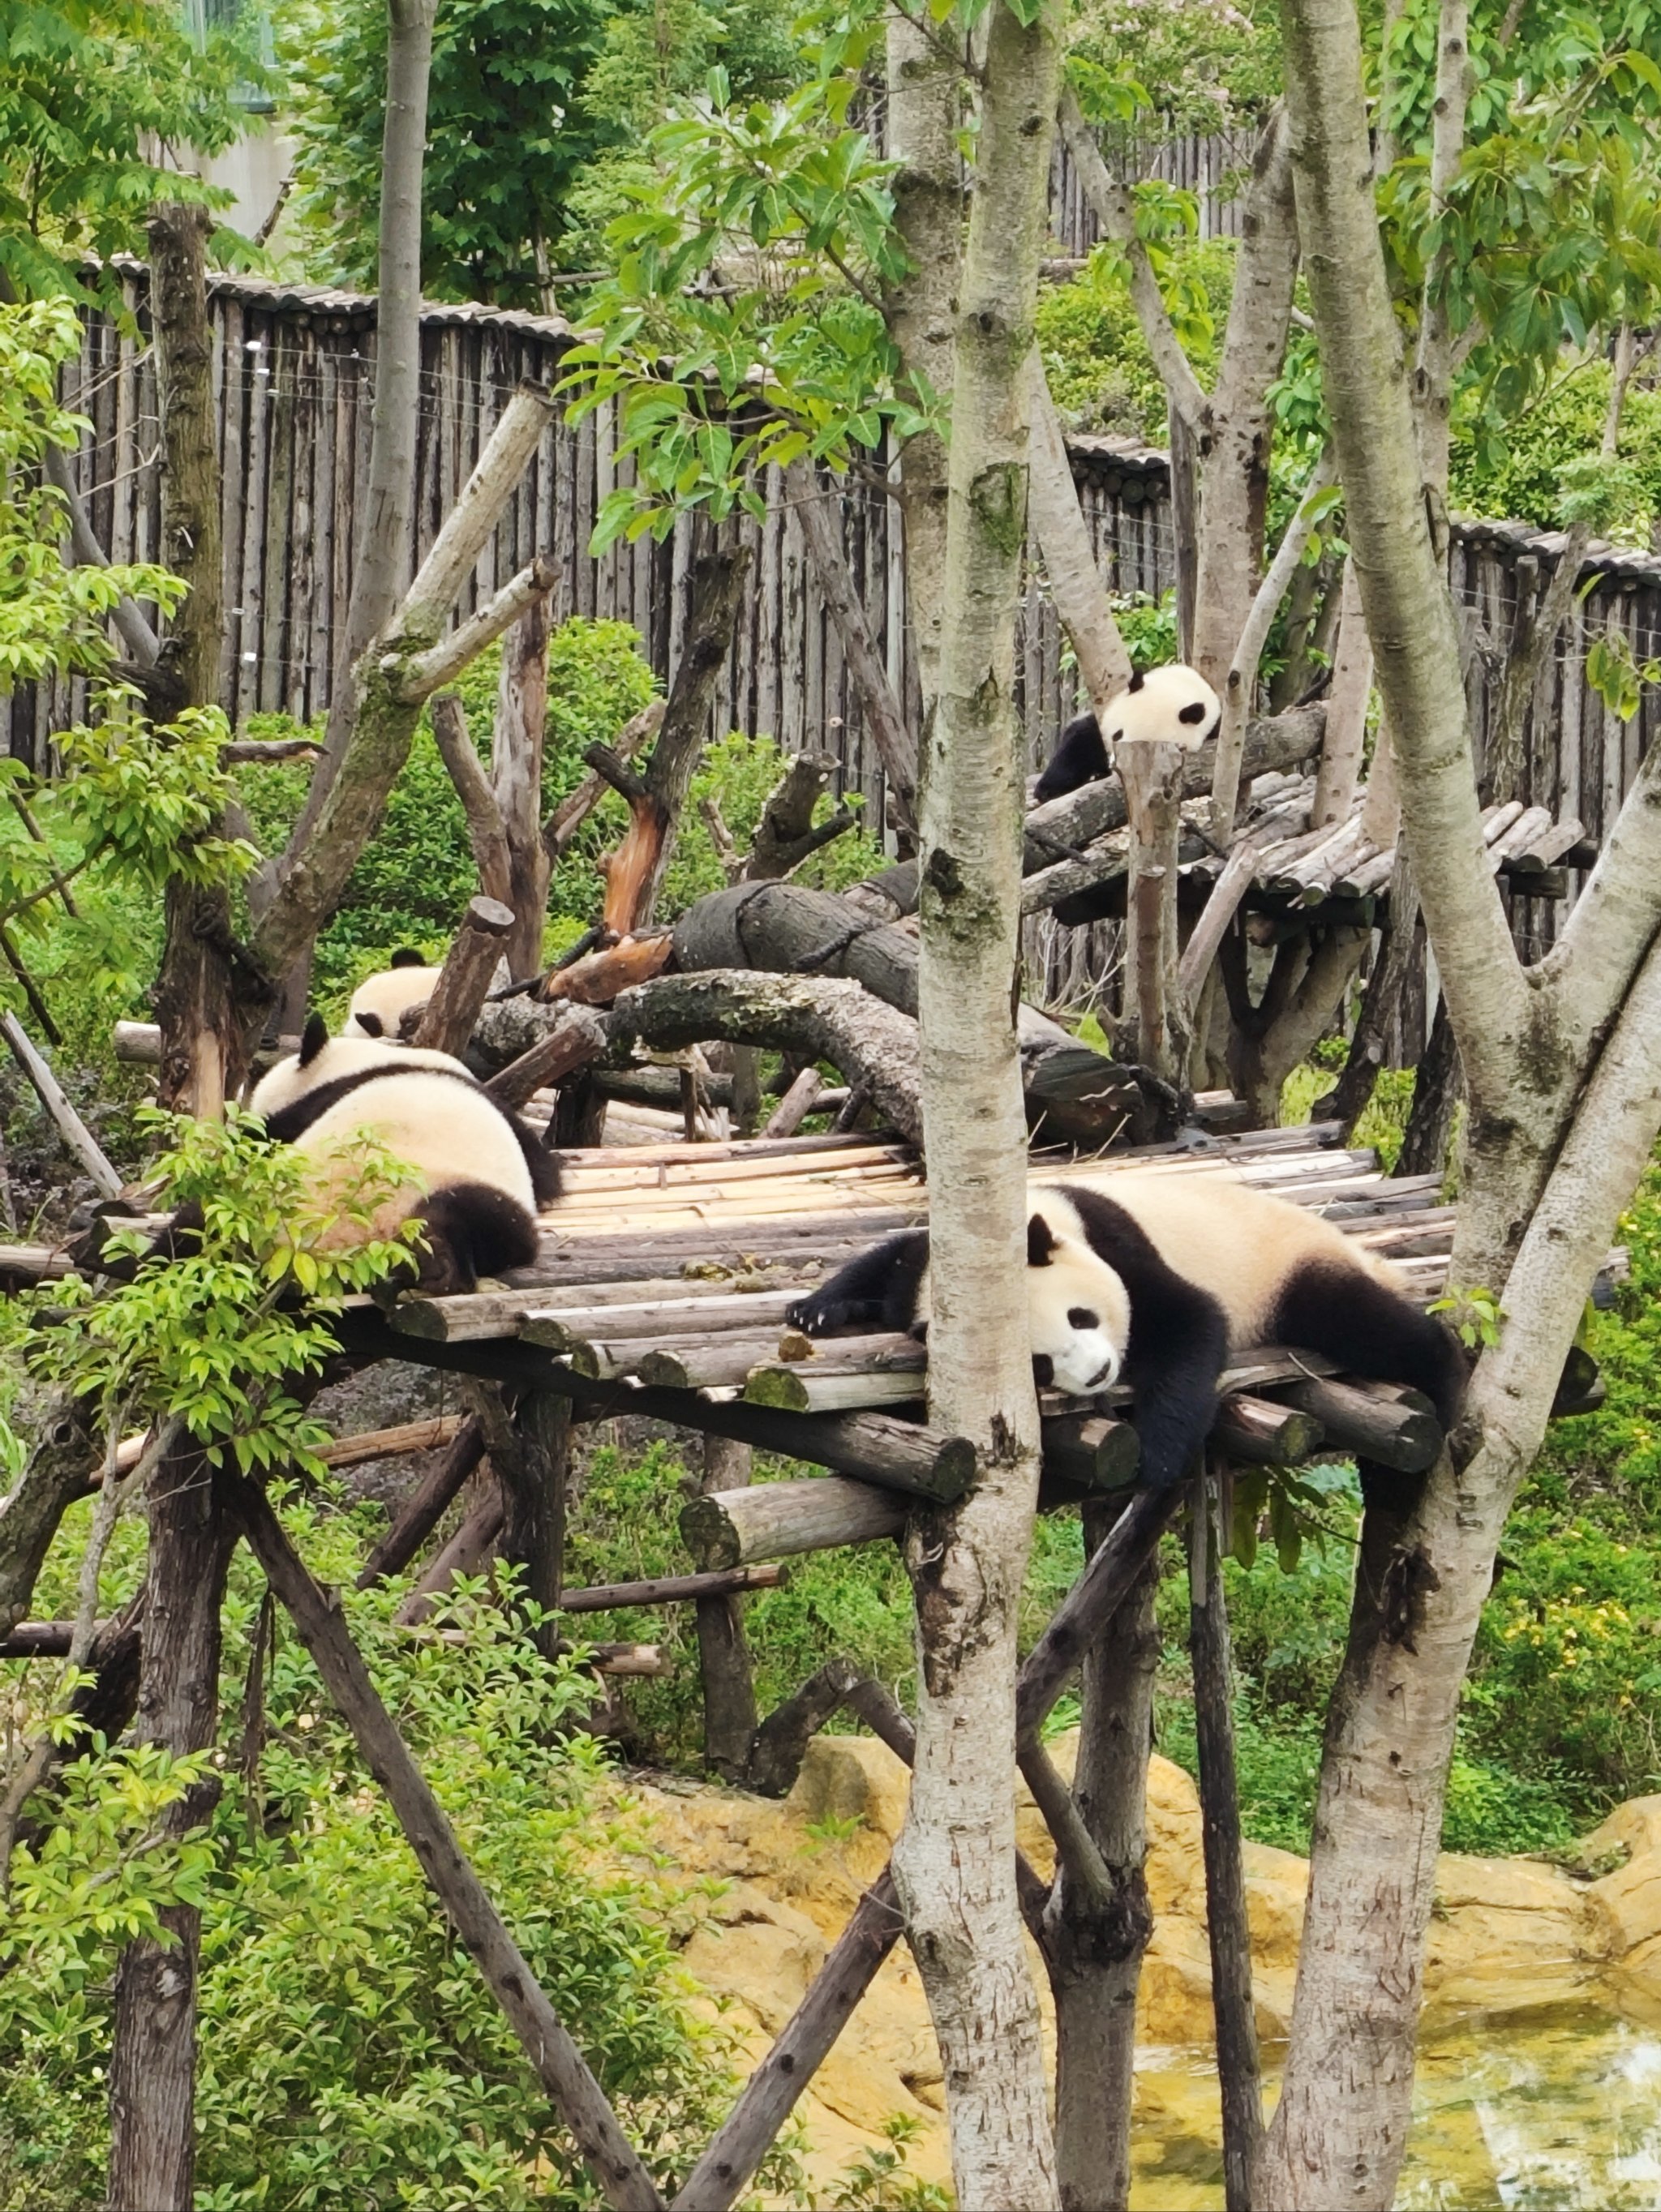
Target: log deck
666, 1271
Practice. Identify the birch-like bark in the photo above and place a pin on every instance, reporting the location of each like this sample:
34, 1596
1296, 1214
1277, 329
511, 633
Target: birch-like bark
925, 90
1341, 2127
1347, 708
1564, 1068
1433, 375
391, 677
1069, 558
383, 558
1234, 476
955, 1862
1239, 688
1111, 204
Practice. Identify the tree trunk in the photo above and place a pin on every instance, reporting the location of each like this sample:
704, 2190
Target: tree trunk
635, 873
1563, 1065
381, 556
924, 117
202, 1060
153, 2047
729, 1689
521, 723
1234, 481
955, 1862
1093, 1947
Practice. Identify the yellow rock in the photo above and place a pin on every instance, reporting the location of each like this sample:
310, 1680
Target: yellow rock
1507, 1933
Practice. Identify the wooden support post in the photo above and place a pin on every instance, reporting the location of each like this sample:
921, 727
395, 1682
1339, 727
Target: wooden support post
425, 1507
767, 2099
728, 1680
1099, 1919
465, 980
468, 1552
153, 2047
580, 1038
559, 2065
782, 1741
1227, 1925
532, 1460
797, 1103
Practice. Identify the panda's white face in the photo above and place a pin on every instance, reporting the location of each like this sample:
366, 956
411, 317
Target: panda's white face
1078, 1311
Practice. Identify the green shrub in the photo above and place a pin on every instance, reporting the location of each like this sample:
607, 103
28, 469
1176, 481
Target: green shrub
351, 2054
1513, 468
1100, 371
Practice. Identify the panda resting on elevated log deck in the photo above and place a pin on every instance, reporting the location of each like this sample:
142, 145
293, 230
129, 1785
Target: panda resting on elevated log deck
692, 1284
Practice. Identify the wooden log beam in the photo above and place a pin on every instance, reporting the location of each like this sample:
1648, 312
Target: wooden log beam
425, 1507
70, 1128
733, 1528
871, 1043
764, 2104
465, 980
1264, 1433
1092, 1450
1405, 1437
579, 1037
559, 2065
469, 1551
672, 1589
392, 1443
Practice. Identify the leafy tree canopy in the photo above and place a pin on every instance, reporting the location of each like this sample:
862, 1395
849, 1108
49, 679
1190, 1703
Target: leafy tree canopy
100, 102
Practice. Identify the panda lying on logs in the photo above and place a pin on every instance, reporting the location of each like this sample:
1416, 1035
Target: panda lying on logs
1174, 703
1160, 1283
485, 1174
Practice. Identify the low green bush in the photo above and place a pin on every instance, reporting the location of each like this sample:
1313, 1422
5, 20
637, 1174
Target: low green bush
351, 2054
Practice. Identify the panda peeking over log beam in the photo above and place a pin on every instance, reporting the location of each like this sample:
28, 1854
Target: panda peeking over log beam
1174, 705
1157, 1285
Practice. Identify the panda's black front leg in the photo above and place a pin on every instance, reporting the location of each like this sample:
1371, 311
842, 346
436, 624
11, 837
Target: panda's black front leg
877, 1289
1175, 1377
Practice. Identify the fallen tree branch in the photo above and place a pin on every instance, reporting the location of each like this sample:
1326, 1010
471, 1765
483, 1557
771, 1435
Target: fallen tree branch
836, 1020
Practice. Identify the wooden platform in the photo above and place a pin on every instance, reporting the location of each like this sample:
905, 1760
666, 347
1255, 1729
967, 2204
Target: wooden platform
665, 1272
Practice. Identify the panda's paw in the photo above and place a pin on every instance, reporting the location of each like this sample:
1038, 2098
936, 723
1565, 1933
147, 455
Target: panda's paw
820, 1316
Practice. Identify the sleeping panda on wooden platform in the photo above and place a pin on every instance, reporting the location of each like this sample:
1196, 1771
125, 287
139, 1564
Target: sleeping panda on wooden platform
1158, 1284
485, 1174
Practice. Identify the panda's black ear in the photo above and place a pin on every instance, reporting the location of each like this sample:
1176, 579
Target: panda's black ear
1194, 712
313, 1039
1040, 1241
1136, 682
371, 1024
405, 958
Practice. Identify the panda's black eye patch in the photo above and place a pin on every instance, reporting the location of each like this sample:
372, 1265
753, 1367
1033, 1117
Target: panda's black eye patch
1194, 712
1082, 1317
1043, 1370
372, 1025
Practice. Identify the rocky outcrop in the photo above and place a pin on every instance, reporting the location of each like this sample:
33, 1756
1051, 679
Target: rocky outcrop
1508, 1935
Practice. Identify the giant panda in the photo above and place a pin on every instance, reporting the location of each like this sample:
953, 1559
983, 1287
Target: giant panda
1173, 703
1158, 1279
380, 1001
484, 1171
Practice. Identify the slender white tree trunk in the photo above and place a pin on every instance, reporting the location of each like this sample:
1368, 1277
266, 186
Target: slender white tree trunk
955, 1862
